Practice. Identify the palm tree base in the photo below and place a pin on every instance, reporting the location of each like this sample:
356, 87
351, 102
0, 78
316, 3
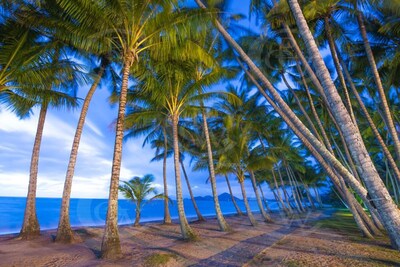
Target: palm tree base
65, 235
30, 231
111, 248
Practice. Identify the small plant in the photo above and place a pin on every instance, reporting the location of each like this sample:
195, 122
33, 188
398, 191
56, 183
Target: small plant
159, 259
137, 189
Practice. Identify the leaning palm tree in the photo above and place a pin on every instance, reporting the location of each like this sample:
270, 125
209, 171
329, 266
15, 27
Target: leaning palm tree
386, 207
137, 190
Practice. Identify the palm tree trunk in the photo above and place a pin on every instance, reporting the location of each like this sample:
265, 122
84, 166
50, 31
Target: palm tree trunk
246, 203
266, 217
285, 193
317, 196
287, 209
387, 116
381, 197
186, 230
223, 225
30, 226
167, 215
371, 123
339, 72
196, 208
64, 231
239, 212
300, 105
309, 197
111, 246
386, 207
329, 170
263, 198
137, 215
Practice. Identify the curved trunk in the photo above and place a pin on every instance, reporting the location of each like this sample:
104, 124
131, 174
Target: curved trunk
239, 212
386, 207
167, 215
64, 231
186, 230
329, 170
381, 197
246, 204
111, 246
196, 208
266, 217
223, 225
387, 116
30, 226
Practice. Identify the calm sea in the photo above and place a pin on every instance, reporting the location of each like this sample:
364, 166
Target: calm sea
92, 212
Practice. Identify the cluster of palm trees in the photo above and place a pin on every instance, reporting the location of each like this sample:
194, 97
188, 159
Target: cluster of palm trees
164, 63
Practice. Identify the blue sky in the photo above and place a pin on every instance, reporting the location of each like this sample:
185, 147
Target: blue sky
93, 168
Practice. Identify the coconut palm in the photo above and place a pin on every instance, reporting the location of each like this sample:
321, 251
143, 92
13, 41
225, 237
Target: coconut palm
137, 190
132, 28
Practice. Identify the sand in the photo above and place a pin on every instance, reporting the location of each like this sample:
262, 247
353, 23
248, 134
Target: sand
287, 242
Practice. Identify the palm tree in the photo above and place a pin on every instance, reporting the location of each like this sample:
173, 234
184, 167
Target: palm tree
389, 212
132, 28
137, 190
63, 78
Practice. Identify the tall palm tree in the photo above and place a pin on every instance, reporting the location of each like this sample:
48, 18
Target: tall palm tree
63, 78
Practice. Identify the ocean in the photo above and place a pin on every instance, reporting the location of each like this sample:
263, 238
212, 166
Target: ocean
92, 212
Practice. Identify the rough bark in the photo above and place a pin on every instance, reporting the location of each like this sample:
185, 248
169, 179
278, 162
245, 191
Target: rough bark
186, 230
196, 208
64, 231
111, 246
30, 225
223, 225
167, 215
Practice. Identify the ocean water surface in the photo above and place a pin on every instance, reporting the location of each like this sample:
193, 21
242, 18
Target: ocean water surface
92, 212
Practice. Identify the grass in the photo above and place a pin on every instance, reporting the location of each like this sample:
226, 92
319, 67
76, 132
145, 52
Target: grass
342, 221
159, 259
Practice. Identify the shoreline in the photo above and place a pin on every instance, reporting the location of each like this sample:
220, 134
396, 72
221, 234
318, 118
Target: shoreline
191, 219
297, 241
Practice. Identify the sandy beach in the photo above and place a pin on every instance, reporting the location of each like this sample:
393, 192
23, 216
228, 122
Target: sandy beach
287, 242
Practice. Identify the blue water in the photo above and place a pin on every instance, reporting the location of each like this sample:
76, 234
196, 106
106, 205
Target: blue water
92, 212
